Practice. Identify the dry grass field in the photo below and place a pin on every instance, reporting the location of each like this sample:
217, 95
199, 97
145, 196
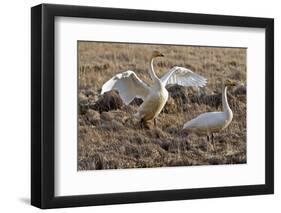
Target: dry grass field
105, 141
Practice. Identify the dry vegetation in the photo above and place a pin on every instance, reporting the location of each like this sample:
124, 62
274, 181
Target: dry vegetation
107, 142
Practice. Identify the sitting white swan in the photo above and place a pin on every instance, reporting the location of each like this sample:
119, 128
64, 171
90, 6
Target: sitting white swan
212, 122
154, 96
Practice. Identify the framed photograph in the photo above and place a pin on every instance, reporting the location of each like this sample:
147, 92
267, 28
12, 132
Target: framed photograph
139, 106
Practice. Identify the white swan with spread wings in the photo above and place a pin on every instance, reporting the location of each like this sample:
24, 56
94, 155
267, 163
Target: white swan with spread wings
154, 96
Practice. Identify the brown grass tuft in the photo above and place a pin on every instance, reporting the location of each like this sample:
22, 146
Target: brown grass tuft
109, 101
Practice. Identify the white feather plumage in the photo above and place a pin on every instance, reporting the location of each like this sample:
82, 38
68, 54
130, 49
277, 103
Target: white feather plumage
184, 77
128, 86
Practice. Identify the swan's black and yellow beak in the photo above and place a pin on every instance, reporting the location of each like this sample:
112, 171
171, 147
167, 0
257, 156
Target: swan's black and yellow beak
156, 53
229, 82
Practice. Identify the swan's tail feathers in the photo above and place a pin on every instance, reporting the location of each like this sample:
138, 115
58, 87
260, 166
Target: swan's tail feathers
185, 126
188, 124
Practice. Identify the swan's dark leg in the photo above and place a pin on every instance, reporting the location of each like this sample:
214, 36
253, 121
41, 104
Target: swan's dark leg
213, 144
209, 144
155, 122
144, 124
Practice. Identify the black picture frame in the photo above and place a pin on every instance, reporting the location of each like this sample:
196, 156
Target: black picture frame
43, 105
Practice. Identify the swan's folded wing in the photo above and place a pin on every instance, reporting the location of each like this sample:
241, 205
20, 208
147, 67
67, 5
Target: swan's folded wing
207, 120
184, 77
128, 86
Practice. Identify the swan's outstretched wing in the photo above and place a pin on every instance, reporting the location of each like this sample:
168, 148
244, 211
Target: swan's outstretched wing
184, 77
128, 85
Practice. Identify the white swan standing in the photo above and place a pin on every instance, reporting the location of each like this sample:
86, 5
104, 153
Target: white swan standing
212, 122
154, 96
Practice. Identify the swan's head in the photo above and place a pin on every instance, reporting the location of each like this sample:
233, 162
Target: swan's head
156, 53
230, 83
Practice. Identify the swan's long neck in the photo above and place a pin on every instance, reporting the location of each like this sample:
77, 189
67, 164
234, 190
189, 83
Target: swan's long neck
151, 71
225, 104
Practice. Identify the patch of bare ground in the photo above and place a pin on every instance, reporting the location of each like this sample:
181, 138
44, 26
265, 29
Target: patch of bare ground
109, 136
